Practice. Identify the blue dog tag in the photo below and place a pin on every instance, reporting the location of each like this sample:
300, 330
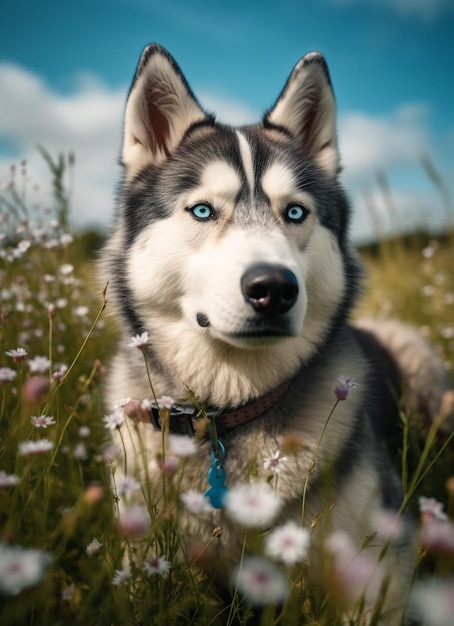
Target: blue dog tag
218, 489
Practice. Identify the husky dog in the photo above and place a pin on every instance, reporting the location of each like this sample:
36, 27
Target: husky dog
231, 251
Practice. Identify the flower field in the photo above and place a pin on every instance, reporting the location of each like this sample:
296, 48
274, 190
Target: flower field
67, 555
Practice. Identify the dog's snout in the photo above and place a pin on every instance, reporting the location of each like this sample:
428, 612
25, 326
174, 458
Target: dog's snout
270, 288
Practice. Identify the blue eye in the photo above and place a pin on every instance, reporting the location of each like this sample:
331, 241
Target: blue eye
202, 211
295, 213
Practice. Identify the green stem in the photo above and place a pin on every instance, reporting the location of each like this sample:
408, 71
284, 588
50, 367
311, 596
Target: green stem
312, 465
235, 592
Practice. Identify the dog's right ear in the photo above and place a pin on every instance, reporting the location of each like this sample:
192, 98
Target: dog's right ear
160, 109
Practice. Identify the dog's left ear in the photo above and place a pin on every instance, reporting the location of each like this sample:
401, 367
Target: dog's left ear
160, 109
307, 109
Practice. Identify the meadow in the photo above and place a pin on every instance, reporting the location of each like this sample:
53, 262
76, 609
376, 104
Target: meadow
62, 540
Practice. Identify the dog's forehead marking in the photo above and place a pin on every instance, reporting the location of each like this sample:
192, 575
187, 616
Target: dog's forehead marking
220, 179
278, 181
246, 158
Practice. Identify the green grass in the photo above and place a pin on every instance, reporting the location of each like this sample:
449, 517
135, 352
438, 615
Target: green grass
51, 307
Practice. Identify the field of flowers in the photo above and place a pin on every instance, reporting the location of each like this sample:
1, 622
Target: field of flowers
64, 547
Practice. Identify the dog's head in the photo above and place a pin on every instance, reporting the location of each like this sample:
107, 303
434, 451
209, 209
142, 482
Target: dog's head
238, 233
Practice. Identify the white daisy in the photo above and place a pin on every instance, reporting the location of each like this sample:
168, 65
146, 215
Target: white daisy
252, 505
195, 502
156, 565
261, 582
288, 543
94, 547
21, 568
181, 446
35, 447
114, 420
139, 341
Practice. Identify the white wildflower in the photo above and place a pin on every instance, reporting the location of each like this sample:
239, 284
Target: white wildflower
139, 341
288, 543
252, 505
21, 568
94, 547
196, 502
261, 582
39, 446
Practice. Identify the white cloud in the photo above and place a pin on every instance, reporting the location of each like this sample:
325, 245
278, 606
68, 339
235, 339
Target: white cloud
368, 143
393, 145
228, 111
376, 215
88, 123
426, 10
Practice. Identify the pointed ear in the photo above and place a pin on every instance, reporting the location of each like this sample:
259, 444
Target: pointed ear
160, 109
307, 109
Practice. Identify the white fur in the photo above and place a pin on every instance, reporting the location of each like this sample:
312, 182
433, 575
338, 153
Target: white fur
246, 156
201, 272
220, 183
279, 185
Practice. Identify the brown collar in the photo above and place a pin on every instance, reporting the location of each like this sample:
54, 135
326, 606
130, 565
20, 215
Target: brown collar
184, 419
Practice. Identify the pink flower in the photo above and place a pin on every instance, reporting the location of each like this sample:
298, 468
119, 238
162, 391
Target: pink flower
134, 410
196, 502
21, 568
42, 421
39, 446
59, 374
84, 431
156, 565
66, 269
261, 582
140, 341
94, 547
165, 402
7, 375
438, 536
388, 525
347, 383
40, 364
252, 505
17, 354
114, 420
68, 592
35, 388
182, 446
432, 602
431, 509
80, 452
121, 577
356, 575
288, 543
274, 463
134, 521
127, 485
8, 480
94, 494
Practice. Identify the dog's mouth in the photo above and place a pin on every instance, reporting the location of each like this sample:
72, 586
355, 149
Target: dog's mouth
253, 330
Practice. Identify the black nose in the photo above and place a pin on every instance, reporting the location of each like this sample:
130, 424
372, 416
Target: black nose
269, 288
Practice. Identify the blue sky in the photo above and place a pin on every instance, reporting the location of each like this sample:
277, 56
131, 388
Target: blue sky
65, 68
